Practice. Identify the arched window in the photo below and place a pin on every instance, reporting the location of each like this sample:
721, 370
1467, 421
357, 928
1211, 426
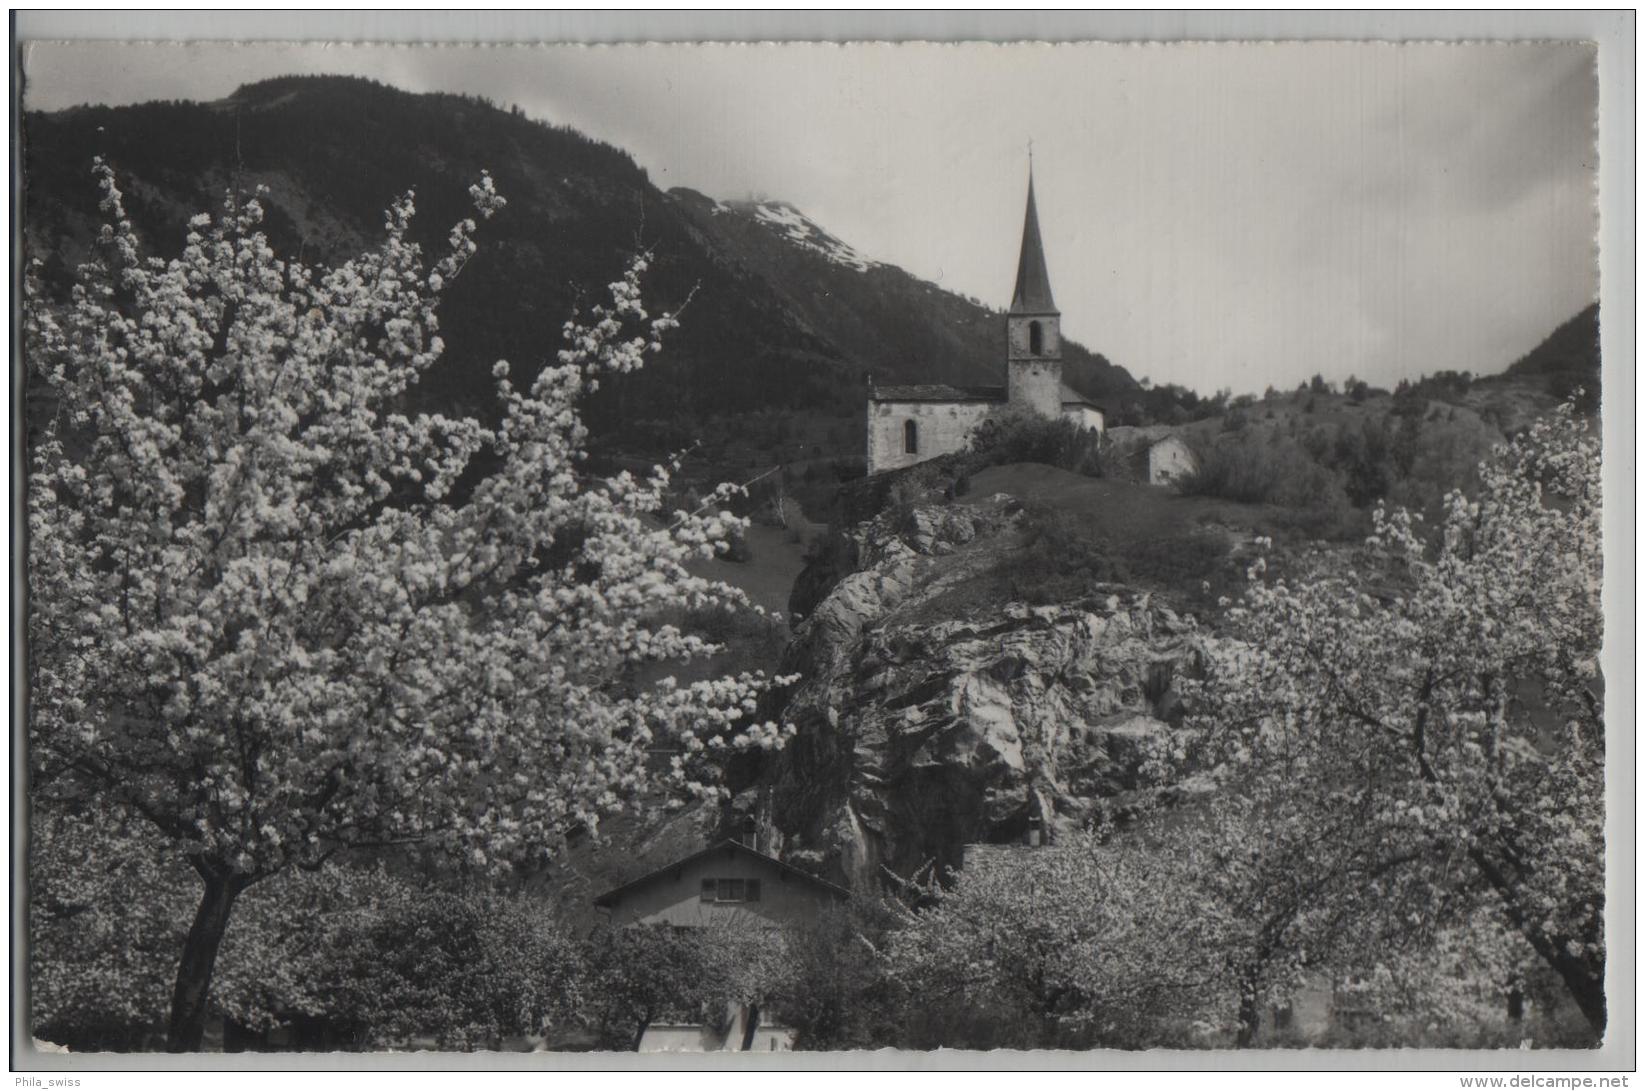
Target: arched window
1036, 339
910, 437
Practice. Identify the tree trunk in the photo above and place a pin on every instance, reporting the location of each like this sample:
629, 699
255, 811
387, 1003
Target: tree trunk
1516, 999
1250, 1015
188, 999
1584, 981
1586, 989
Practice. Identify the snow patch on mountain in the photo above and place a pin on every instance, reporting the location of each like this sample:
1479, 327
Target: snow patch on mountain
791, 224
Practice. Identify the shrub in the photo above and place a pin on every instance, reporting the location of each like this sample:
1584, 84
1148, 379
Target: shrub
1279, 472
1065, 553
1181, 560
1061, 559
1363, 456
464, 969
1013, 435
834, 990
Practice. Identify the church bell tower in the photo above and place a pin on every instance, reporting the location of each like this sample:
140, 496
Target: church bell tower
1033, 326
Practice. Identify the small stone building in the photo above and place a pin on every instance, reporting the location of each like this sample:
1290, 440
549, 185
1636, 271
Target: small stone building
1169, 460
1151, 455
910, 424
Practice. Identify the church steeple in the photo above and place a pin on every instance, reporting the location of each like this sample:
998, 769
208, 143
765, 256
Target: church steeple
1033, 337
1033, 292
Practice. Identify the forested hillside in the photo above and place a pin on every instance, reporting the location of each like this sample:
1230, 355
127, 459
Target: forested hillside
777, 328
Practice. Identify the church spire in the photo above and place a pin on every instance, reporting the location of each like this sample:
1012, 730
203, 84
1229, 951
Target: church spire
1033, 292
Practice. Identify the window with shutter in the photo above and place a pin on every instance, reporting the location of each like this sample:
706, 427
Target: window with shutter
731, 890
708, 890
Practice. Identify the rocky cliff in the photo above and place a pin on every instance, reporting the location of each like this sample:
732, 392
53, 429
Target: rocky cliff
928, 721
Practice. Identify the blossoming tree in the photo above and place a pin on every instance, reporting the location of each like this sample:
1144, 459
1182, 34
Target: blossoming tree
356, 954
278, 616
98, 967
1446, 695
1096, 941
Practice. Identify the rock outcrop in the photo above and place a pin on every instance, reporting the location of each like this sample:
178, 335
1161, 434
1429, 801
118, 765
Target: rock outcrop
927, 722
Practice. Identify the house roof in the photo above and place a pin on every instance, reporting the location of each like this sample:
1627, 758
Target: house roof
1070, 396
1149, 433
611, 896
937, 392
1033, 291
943, 392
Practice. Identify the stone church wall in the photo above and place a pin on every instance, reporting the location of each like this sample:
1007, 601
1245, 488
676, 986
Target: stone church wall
940, 427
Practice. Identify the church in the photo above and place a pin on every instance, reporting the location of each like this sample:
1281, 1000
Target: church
909, 424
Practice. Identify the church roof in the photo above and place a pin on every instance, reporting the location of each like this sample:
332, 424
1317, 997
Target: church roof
1070, 396
943, 392
937, 392
1033, 291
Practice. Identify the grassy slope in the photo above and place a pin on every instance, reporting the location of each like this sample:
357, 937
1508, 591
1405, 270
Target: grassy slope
768, 575
1077, 533
1128, 512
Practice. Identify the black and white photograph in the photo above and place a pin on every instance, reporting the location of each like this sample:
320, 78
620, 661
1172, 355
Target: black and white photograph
796, 547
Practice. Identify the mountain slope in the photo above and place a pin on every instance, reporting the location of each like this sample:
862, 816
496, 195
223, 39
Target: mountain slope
1567, 358
898, 326
776, 323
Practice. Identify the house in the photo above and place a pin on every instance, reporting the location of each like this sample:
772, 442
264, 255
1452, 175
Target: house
729, 879
1170, 460
1153, 455
910, 424
729, 882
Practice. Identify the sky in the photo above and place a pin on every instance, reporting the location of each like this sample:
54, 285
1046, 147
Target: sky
1217, 215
